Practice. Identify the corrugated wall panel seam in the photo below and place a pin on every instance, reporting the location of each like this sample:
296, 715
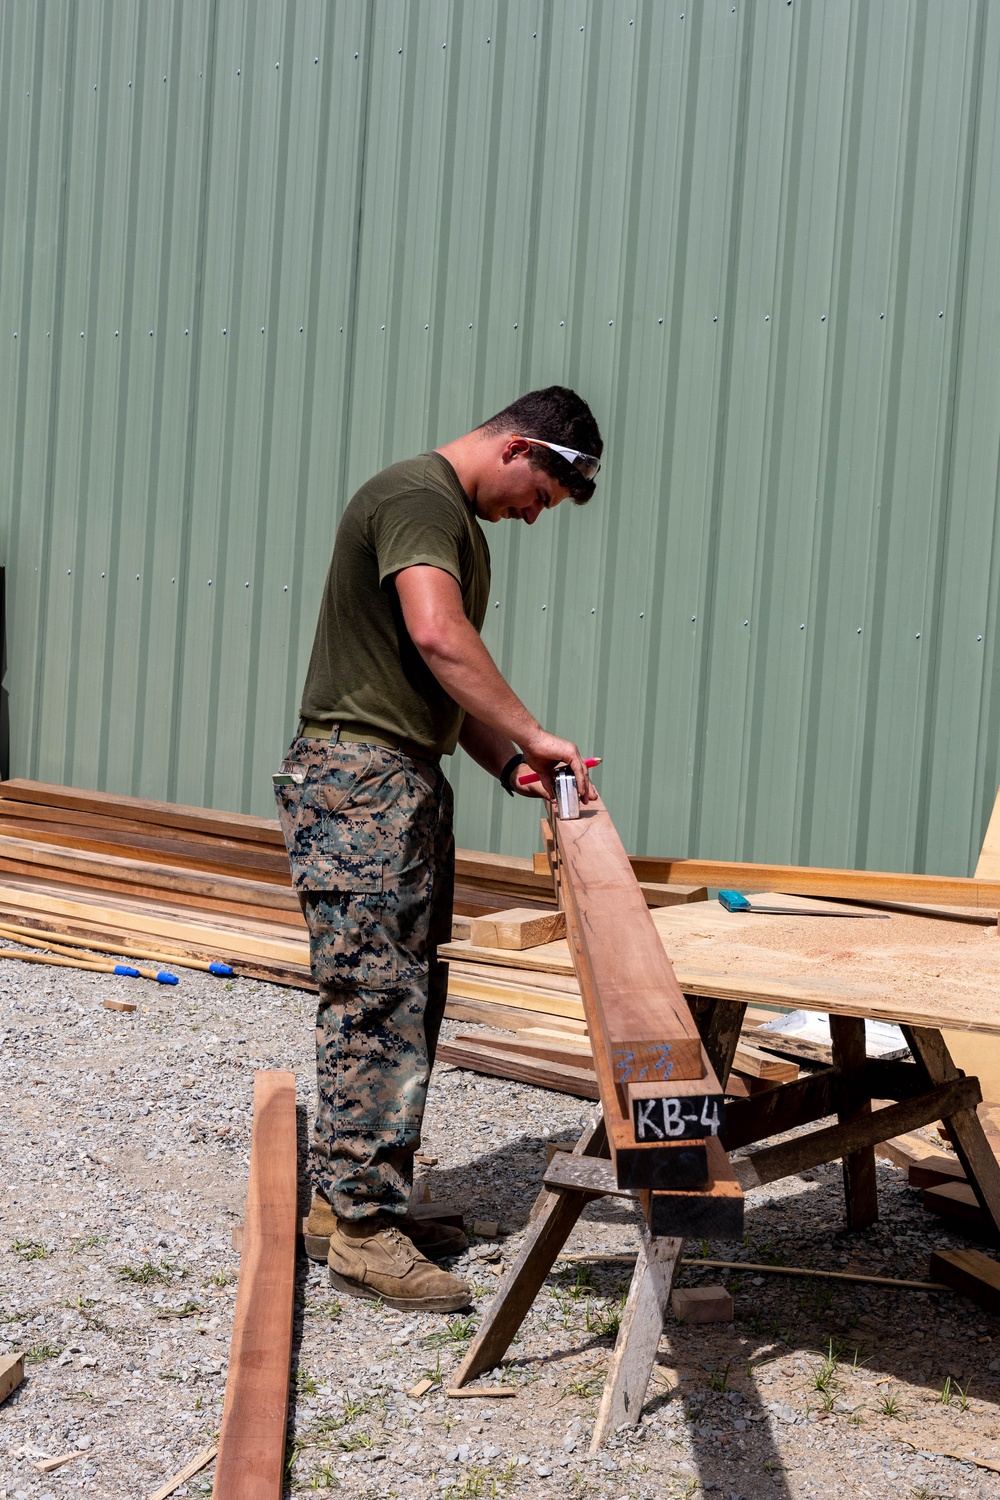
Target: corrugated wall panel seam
759, 240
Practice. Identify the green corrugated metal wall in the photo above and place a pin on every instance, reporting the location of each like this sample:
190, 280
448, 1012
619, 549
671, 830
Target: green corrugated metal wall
253, 250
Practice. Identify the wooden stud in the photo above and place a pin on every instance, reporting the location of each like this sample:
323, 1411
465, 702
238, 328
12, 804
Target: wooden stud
553, 1218
847, 1041
638, 1336
964, 1126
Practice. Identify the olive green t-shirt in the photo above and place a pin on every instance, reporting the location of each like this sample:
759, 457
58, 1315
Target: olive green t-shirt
365, 669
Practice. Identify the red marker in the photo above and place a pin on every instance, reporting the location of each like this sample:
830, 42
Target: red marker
534, 776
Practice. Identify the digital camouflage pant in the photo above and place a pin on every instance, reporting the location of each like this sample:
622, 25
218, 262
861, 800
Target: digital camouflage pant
369, 837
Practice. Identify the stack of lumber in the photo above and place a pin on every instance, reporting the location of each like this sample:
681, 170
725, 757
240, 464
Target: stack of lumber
190, 881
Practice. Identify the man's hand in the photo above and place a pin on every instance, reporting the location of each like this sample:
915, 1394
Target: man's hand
544, 754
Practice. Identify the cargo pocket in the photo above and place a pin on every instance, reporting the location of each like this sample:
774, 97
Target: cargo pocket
317, 840
349, 941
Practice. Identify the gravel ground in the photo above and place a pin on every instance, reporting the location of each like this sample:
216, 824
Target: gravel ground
125, 1142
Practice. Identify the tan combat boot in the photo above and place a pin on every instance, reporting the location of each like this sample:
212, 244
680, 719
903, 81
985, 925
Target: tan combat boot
370, 1259
431, 1238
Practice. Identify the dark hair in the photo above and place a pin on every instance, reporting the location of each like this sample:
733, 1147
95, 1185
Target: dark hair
557, 415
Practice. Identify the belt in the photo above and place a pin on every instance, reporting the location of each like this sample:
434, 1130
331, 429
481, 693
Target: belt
360, 734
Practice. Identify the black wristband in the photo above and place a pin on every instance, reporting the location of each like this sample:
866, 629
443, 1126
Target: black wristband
507, 773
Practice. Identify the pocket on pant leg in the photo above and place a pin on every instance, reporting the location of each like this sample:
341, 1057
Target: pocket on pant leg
349, 942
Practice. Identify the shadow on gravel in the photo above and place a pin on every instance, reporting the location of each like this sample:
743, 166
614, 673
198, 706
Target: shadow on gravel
301, 1275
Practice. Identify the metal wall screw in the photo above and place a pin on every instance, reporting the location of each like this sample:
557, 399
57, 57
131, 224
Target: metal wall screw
918, 635
544, 606
802, 626
247, 584
978, 637
859, 630
746, 622
286, 588
941, 313
642, 614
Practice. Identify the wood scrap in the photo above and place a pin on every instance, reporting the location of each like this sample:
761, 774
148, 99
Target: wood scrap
11, 1373
970, 1272
191, 1468
48, 1465
907, 1150
806, 1272
517, 928
485, 1392
756, 1063
935, 1170
919, 1446
251, 1456
956, 1201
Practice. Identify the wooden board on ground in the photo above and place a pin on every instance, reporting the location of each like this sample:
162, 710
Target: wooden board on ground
252, 1437
499, 1062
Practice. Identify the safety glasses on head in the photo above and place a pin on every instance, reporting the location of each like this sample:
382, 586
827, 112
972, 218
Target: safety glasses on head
585, 463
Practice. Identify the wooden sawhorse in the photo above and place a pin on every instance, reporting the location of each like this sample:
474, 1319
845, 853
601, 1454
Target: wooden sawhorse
927, 1089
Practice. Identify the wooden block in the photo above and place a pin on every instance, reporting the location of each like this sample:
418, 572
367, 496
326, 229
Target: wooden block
420, 1389
123, 1005
251, 1457
486, 1229
757, 1063
935, 1170
712, 1212
970, 1272
236, 1238
518, 928
906, 1150
656, 893
194, 1466
702, 1304
11, 1373
441, 1213
957, 1201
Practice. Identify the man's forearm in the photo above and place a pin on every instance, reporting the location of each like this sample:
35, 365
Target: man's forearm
487, 746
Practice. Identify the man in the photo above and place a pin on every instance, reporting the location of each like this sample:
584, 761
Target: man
398, 676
